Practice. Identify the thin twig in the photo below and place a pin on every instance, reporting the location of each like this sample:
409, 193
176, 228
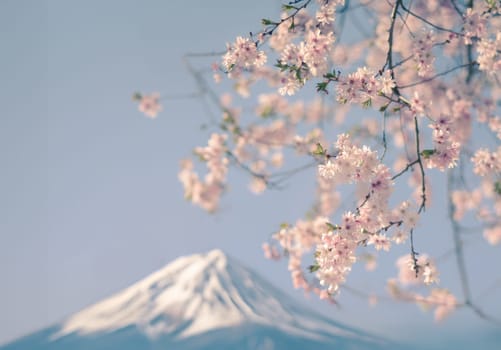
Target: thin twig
409, 165
389, 55
460, 259
429, 23
421, 168
470, 64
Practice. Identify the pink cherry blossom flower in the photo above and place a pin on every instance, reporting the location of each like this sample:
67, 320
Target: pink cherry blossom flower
493, 235
380, 242
327, 170
242, 54
150, 105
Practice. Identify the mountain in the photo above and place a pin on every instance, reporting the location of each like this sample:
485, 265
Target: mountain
203, 301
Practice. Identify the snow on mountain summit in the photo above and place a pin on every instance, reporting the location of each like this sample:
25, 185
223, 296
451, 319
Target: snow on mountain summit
182, 291
196, 294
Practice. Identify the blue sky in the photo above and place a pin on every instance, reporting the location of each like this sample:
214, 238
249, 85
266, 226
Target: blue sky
90, 196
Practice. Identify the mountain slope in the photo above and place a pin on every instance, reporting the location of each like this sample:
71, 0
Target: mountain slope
203, 301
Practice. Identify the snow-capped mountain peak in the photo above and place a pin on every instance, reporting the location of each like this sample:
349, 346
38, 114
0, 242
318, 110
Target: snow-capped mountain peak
202, 301
192, 295
188, 295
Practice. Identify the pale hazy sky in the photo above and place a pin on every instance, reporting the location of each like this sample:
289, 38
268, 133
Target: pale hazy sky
90, 199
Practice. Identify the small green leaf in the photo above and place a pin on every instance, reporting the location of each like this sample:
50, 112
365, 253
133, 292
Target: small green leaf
322, 86
319, 151
298, 74
497, 187
367, 104
267, 22
284, 226
199, 156
491, 3
282, 66
227, 117
330, 75
267, 111
332, 227
237, 130
427, 153
286, 7
314, 267
383, 108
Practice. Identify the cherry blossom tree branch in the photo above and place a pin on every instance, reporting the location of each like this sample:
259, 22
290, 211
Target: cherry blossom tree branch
389, 54
306, 56
421, 168
429, 23
456, 8
460, 259
468, 65
469, 52
407, 167
291, 6
458, 246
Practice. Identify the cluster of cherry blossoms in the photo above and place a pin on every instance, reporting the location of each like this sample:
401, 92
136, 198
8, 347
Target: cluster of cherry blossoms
485, 200
242, 54
441, 300
364, 86
415, 95
423, 55
421, 272
488, 42
206, 193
